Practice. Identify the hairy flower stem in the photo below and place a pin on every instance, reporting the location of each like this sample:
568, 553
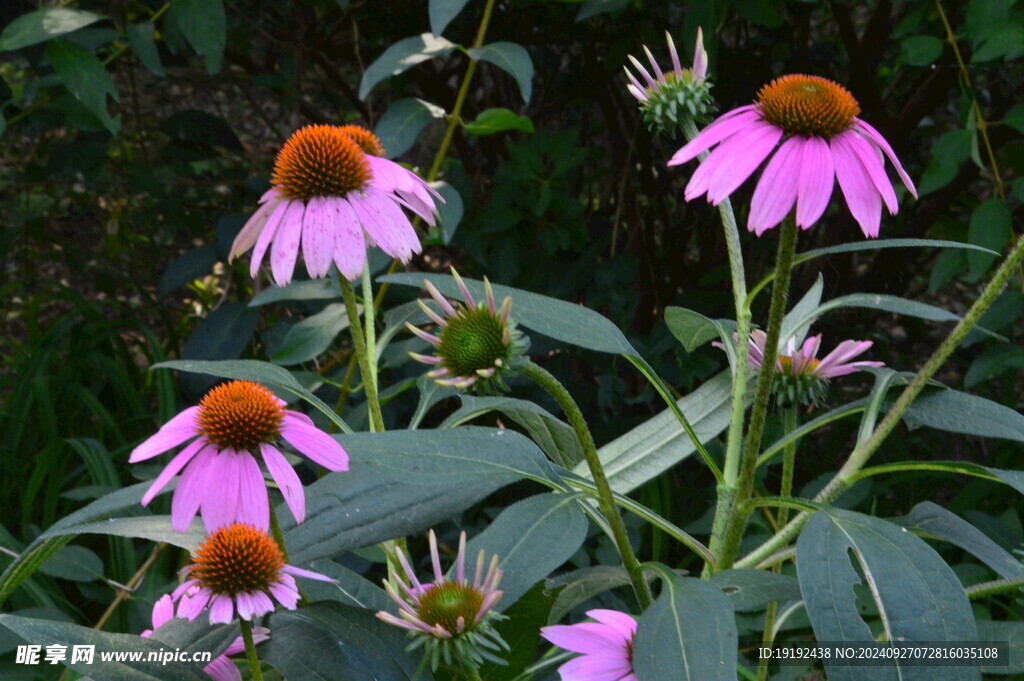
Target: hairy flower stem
605, 498
725, 551
741, 372
359, 341
250, 650
860, 455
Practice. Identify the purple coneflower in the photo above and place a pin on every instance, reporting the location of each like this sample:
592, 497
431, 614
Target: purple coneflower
334, 194
822, 138
451, 618
607, 647
232, 425
239, 571
667, 96
475, 342
221, 668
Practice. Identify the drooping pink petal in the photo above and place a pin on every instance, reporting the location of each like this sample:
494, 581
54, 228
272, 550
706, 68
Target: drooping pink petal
595, 640
287, 480
267, 236
163, 611
188, 496
596, 668
245, 605
403, 229
285, 250
287, 597
620, 621
253, 502
314, 443
349, 243
318, 236
308, 574
776, 191
223, 669
871, 158
248, 235
193, 603
721, 129
259, 635
261, 604
220, 500
758, 143
376, 225
173, 468
814, 188
170, 435
876, 137
222, 609
861, 196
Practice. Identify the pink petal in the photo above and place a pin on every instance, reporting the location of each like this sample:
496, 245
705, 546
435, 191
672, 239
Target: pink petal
723, 159
220, 499
170, 435
349, 243
776, 191
245, 606
246, 238
843, 352
815, 185
286, 479
620, 621
188, 496
876, 137
253, 502
285, 250
403, 228
308, 574
314, 443
222, 610
173, 468
223, 669
318, 236
163, 611
861, 196
700, 57
596, 668
871, 158
597, 639
757, 145
287, 597
194, 603
267, 236
723, 127
261, 603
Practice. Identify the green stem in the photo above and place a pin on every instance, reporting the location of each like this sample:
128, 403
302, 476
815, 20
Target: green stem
473, 674
359, 341
277, 534
862, 452
605, 497
250, 651
729, 543
766, 639
370, 328
791, 422
985, 589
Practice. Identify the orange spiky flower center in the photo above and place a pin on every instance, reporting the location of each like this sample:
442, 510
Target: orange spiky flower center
366, 140
787, 365
240, 415
446, 602
237, 559
807, 105
320, 160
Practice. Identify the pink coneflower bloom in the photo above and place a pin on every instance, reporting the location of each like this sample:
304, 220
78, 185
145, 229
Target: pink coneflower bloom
667, 98
233, 424
451, 618
221, 668
239, 571
334, 194
822, 138
607, 647
476, 343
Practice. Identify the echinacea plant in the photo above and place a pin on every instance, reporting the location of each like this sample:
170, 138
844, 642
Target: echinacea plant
666, 97
606, 646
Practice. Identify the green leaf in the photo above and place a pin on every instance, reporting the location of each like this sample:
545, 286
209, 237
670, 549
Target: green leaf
155, 528
430, 394
693, 329
491, 121
580, 586
331, 641
270, 375
511, 58
401, 57
593, 8
1014, 479
44, 24
521, 631
953, 147
936, 176
442, 12
403, 482
917, 595
310, 337
921, 50
551, 317
186, 268
74, 563
314, 289
688, 634
140, 37
555, 437
888, 243
948, 265
752, 590
1015, 119
990, 228
349, 588
86, 78
1012, 633
531, 538
449, 213
959, 412
205, 27
402, 123
992, 362
221, 335
1006, 43
932, 521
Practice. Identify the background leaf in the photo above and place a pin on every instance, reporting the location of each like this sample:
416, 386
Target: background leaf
402, 56
402, 123
43, 24
511, 58
205, 27
442, 12
86, 78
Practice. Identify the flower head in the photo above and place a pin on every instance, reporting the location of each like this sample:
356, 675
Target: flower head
334, 194
451, 618
476, 342
667, 96
239, 569
221, 668
234, 425
800, 377
607, 647
822, 138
